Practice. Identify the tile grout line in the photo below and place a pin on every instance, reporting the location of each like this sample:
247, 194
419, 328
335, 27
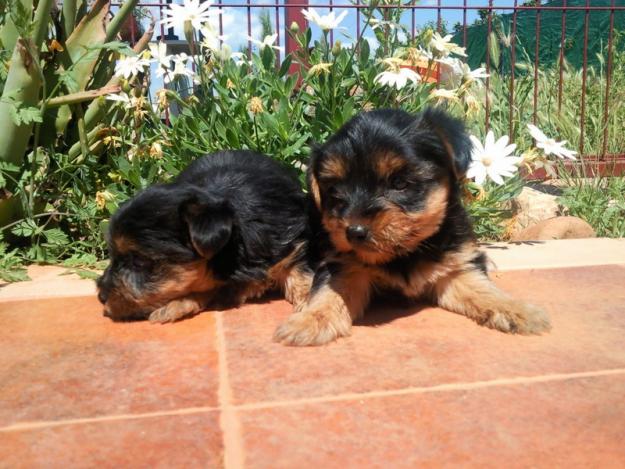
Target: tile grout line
234, 435
228, 419
555, 377
106, 418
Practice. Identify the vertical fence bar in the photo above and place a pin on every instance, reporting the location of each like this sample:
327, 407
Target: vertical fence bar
413, 19
332, 30
487, 97
439, 18
562, 46
277, 21
249, 30
464, 24
608, 76
511, 129
357, 20
536, 59
584, 77
221, 20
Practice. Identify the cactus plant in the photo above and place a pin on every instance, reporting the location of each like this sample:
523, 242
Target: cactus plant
51, 75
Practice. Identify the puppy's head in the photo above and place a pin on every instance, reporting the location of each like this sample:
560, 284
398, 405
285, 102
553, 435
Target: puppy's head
384, 181
159, 244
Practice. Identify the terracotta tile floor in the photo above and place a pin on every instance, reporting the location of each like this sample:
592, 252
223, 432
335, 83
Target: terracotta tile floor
412, 387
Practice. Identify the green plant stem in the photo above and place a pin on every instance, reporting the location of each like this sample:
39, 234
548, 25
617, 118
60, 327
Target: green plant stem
38, 215
42, 18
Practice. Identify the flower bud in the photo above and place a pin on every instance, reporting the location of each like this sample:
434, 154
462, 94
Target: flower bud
336, 48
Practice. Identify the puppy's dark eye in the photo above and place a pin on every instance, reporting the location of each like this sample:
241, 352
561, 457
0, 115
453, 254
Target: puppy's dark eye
398, 182
334, 199
142, 263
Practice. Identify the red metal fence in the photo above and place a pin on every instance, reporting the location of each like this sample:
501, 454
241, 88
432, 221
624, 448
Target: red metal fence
284, 12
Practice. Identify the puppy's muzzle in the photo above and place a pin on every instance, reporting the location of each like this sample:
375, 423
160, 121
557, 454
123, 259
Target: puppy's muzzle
357, 233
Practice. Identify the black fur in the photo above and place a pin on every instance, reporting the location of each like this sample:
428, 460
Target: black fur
420, 139
238, 211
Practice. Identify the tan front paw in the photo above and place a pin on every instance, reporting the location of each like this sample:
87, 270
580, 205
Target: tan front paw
522, 318
311, 328
175, 310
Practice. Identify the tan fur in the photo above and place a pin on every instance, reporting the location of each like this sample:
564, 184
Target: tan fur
180, 308
333, 167
472, 294
124, 245
181, 281
293, 278
388, 164
330, 312
393, 231
453, 283
314, 191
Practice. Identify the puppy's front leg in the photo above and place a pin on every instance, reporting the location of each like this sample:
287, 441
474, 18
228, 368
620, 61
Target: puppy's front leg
180, 308
339, 295
472, 294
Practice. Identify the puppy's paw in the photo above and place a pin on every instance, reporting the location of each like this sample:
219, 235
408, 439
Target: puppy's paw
308, 327
521, 318
174, 310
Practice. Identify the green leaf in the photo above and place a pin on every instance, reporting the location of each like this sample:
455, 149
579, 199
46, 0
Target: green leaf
268, 58
14, 274
85, 274
286, 64
69, 81
24, 115
114, 46
25, 228
5, 166
365, 50
56, 237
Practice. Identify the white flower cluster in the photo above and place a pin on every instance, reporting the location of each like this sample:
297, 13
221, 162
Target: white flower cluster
169, 67
495, 159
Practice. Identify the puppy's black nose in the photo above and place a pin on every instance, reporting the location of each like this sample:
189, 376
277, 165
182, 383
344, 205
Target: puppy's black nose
102, 296
357, 233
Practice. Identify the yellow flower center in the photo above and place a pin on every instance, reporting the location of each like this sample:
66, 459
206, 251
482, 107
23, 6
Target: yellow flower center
487, 160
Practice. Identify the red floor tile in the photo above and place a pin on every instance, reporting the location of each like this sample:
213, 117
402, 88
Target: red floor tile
165, 442
400, 348
569, 424
61, 359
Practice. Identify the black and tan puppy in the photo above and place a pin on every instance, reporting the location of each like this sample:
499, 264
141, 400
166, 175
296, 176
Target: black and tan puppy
387, 187
231, 226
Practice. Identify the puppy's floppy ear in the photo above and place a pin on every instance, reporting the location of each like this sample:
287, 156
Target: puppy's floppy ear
313, 184
452, 136
209, 220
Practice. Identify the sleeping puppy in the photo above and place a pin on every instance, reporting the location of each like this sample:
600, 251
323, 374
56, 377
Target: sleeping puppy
387, 187
232, 226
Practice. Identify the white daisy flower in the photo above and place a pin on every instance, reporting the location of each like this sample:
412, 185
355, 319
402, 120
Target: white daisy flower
130, 66
195, 11
493, 159
472, 76
210, 39
398, 78
549, 145
119, 98
376, 23
442, 46
179, 69
327, 22
268, 41
158, 52
442, 94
